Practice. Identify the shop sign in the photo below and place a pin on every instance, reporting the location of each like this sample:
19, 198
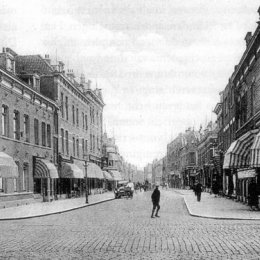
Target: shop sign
246, 174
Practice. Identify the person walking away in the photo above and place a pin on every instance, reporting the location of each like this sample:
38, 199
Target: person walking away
253, 195
215, 188
198, 189
156, 199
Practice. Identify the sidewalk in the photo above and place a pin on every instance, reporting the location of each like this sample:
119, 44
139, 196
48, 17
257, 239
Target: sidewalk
218, 208
54, 207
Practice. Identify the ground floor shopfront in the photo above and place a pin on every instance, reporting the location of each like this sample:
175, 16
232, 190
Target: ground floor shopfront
241, 166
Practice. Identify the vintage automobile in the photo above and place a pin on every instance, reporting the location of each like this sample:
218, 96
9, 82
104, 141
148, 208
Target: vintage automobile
123, 190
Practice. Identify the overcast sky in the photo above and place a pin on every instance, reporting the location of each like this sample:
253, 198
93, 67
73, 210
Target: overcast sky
160, 64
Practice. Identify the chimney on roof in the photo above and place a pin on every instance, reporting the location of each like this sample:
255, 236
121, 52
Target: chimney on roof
71, 75
82, 79
259, 12
61, 66
248, 38
47, 58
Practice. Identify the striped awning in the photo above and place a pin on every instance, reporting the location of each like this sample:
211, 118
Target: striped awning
255, 152
116, 175
94, 171
238, 154
107, 176
45, 169
71, 170
8, 167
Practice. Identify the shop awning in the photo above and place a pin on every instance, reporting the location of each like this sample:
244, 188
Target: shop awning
71, 170
45, 169
116, 175
248, 173
8, 167
107, 176
94, 171
255, 152
238, 154
112, 157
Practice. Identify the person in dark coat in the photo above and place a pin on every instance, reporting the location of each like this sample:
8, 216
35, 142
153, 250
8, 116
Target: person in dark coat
253, 195
215, 188
198, 189
156, 199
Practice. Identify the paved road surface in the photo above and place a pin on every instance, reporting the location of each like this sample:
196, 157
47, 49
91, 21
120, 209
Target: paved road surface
123, 229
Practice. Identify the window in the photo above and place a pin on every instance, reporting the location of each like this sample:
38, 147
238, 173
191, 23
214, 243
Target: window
5, 121
62, 140
86, 122
90, 142
67, 108
74, 148
83, 118
93, 142
36, 131
67, 142
77, 142
26, 128
48, 135
83, 148
61, 105
1, 184
73, 114
16, 125
77, 116
43, 134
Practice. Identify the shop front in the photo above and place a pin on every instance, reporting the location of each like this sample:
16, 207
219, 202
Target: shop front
71, 180
108, 181
116, 175
95, 178
8, 175
45, 179
238, 159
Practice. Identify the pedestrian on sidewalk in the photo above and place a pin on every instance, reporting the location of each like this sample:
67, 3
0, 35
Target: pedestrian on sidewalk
215, 188
198, 190
253, 195
156, 199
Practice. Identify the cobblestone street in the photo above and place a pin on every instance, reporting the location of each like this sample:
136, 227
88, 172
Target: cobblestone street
123, 229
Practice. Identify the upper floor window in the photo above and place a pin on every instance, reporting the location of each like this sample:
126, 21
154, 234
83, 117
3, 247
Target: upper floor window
61, 105
16, 125
83, 120
67, 108
83, 148
77, 116
36, 131
48, 135
73, 114
77, 144
62, 140
74, 148
86, 122
43, 134
67, 142
5, 129
26, 128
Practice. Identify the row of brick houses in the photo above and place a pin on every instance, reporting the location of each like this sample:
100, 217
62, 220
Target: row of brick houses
51, 132
226, 151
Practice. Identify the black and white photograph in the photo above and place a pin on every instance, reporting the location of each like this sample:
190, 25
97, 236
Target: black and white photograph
130, 129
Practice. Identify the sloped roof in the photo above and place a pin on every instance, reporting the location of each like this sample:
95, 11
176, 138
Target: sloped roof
31, 64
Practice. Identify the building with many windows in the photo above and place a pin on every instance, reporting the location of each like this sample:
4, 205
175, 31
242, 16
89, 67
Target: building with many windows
79, 137
28, 130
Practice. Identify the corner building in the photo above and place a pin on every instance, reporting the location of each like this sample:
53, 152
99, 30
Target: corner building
28, 128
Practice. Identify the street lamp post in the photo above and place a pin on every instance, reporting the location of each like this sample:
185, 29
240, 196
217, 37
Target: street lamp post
86, 176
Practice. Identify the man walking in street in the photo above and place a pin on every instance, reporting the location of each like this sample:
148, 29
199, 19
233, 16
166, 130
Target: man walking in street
198, 189
156, 199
